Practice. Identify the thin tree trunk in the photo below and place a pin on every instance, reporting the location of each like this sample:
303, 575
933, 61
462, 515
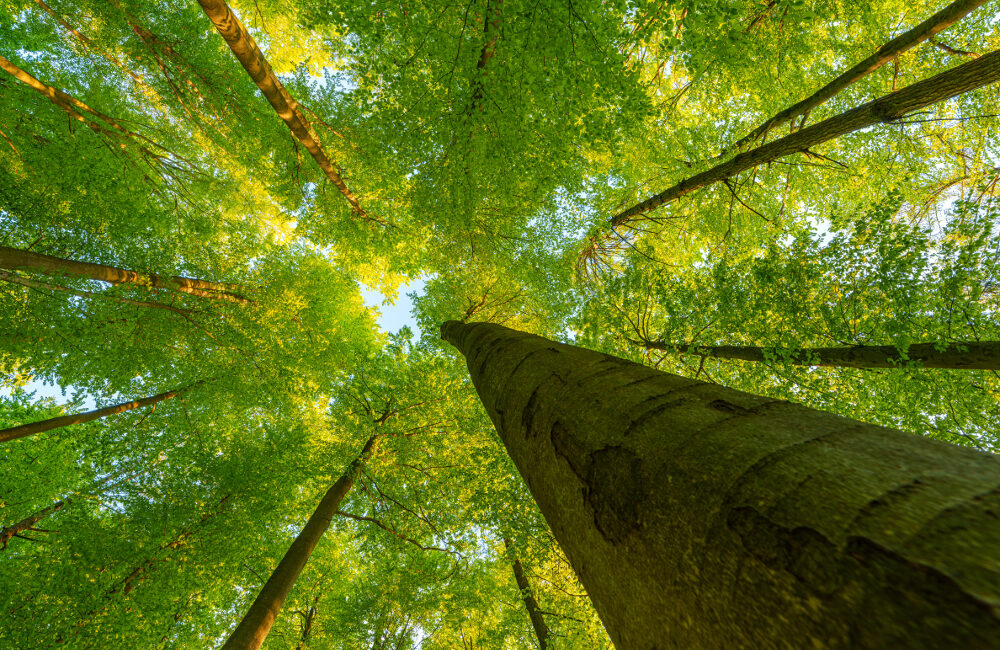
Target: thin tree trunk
28, 523
16, 258
24, 430
968, 76
253, 61
972, 355
888, 52
714, 518
530, 604
133, 579
491, 30
257, 622
34, 284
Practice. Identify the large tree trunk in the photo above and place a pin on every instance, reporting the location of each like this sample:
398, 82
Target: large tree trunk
702, 517
968, 76
530, 604
23, 430
253, 629
253, 61
971, 355
889, 51
16, 258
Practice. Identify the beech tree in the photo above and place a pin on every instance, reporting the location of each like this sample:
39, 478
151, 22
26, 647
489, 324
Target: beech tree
253, 194
666, 490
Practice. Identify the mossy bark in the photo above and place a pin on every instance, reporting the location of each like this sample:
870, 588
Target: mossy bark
702, 517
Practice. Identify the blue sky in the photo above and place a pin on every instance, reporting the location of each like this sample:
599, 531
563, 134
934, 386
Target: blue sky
394, 311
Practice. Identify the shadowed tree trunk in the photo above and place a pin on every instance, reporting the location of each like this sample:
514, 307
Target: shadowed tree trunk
968, 76
253, 629
702, 517
253, 61
889, 51
28, 523
141, 572
21, 431
16, 258
530, 604
972, 355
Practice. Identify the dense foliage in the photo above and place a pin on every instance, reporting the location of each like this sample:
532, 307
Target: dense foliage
489, 142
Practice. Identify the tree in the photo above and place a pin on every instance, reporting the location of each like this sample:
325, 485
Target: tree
758, 521
20, 431
161, 223
977, 355
257, 622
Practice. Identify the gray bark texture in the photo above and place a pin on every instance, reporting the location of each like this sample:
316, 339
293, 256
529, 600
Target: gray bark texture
702, 517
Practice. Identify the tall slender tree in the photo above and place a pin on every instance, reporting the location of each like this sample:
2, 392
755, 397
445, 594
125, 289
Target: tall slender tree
23, 430
257, 622
14, 258
926, 30
249, 55
970, 355
885, 109
530, 604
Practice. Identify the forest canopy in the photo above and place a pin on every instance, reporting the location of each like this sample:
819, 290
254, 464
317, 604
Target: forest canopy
795, 198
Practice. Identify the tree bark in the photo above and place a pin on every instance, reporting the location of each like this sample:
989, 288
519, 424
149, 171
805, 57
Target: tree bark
889, 51
971, 355
16, 258
253, 629
702, 517
968, 76
530, 604
24, 430
253, 61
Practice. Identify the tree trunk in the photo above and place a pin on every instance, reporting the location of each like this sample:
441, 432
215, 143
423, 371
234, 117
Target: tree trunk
253, 629
141, 572
253, 61
889, 51
34, 284
968, 76
28, 523
23, 430
530, 604
15, 530
702, 517
16, 258
971, 355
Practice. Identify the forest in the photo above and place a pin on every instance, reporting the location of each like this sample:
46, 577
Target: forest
637, 240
